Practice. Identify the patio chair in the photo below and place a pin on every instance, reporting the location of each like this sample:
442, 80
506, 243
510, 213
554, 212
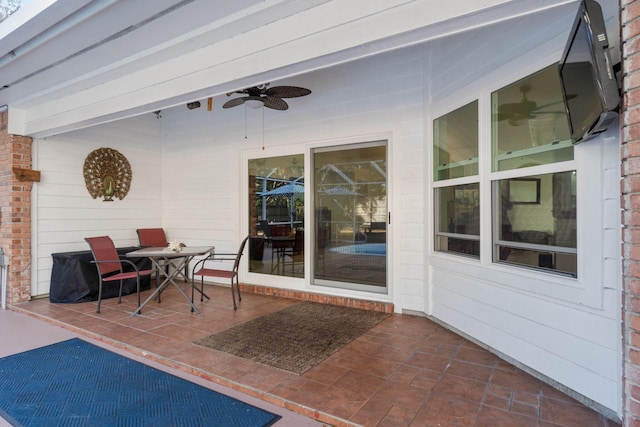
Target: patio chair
200, 269
110, 266
155, 237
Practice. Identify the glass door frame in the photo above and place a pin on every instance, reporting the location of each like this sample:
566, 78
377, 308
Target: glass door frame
260, 278
344, 285
306, 283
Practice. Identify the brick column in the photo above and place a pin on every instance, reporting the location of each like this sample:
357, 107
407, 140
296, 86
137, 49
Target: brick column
15, 212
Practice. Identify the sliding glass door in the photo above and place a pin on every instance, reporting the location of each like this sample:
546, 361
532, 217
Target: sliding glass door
350, 216
276, 215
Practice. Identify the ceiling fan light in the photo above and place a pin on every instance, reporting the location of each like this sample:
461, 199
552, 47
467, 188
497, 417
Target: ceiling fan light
254, 103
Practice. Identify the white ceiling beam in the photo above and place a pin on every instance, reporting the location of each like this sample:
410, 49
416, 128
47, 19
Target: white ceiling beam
329, 33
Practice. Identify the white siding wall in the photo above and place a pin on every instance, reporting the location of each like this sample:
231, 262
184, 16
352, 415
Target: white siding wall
375, 96
564, 329
65, 213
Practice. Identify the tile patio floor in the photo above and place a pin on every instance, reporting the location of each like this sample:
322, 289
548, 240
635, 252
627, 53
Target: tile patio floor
406, 371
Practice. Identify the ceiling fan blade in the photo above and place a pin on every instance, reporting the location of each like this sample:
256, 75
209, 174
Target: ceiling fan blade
287, 91
234, 102
274, 103
503, 116
549, 104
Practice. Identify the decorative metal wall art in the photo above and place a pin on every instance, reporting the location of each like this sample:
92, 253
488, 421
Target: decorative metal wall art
107, 174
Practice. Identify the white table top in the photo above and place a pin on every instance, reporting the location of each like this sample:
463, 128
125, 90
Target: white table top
168, 253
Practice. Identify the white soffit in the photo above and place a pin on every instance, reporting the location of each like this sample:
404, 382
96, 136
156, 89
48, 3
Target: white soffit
118, 58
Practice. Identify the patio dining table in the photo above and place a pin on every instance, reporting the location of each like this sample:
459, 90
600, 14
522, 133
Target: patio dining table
159, 254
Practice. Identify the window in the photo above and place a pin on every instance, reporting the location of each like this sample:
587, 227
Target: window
532, 177
534, 216
529, 123
537, 230
458, 226
457, 204
455, 138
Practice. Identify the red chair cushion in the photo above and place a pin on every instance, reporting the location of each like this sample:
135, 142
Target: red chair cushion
152, 237
212, 272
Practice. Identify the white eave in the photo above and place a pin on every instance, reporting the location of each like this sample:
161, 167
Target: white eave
69, 64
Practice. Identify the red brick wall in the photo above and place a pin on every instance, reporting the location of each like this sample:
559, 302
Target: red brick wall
630, 154
15, 212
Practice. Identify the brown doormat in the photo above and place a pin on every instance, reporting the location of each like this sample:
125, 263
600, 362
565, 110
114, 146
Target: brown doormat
296, 338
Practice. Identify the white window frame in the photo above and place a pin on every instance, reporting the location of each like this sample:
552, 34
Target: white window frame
584, 290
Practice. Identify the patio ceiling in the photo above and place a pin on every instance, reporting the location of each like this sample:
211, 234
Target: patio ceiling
70, 64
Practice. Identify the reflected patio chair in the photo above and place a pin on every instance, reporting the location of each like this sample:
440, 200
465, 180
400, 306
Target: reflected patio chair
296, 251
266, 229
200, 269
110, 266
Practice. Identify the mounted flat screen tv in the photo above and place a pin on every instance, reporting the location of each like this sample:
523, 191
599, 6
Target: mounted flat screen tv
589, 84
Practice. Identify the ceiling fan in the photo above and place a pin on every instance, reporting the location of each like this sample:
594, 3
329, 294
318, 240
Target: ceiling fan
515, 112
269, 97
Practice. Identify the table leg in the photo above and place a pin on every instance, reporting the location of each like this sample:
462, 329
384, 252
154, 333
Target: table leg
169, 280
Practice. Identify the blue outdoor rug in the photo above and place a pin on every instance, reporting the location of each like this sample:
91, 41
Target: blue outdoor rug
74, 383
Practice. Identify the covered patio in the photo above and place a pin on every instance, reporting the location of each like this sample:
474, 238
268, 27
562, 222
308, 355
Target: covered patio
151, 81
406, 371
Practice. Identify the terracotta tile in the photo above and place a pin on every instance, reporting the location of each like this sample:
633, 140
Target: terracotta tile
406, 371
311, 394
553, 393
460, 388
568, 415
499, 391
527, 398
405, 374
359, 385
400, 341
447, 410
378, 337
442, 336
397, 416
497, 402
446, 350
396, 353
425, 380
478, 356
263, 379
363, 346
400, 395
469, 370
378, 367
516, 380
372, 413
345, 408
348, 359
493, 417
178, 332
524, 409
335, 401
325, 373
428, 361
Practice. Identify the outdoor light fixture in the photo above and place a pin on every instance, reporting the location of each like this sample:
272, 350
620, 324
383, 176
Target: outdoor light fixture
254, 103
193, 105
